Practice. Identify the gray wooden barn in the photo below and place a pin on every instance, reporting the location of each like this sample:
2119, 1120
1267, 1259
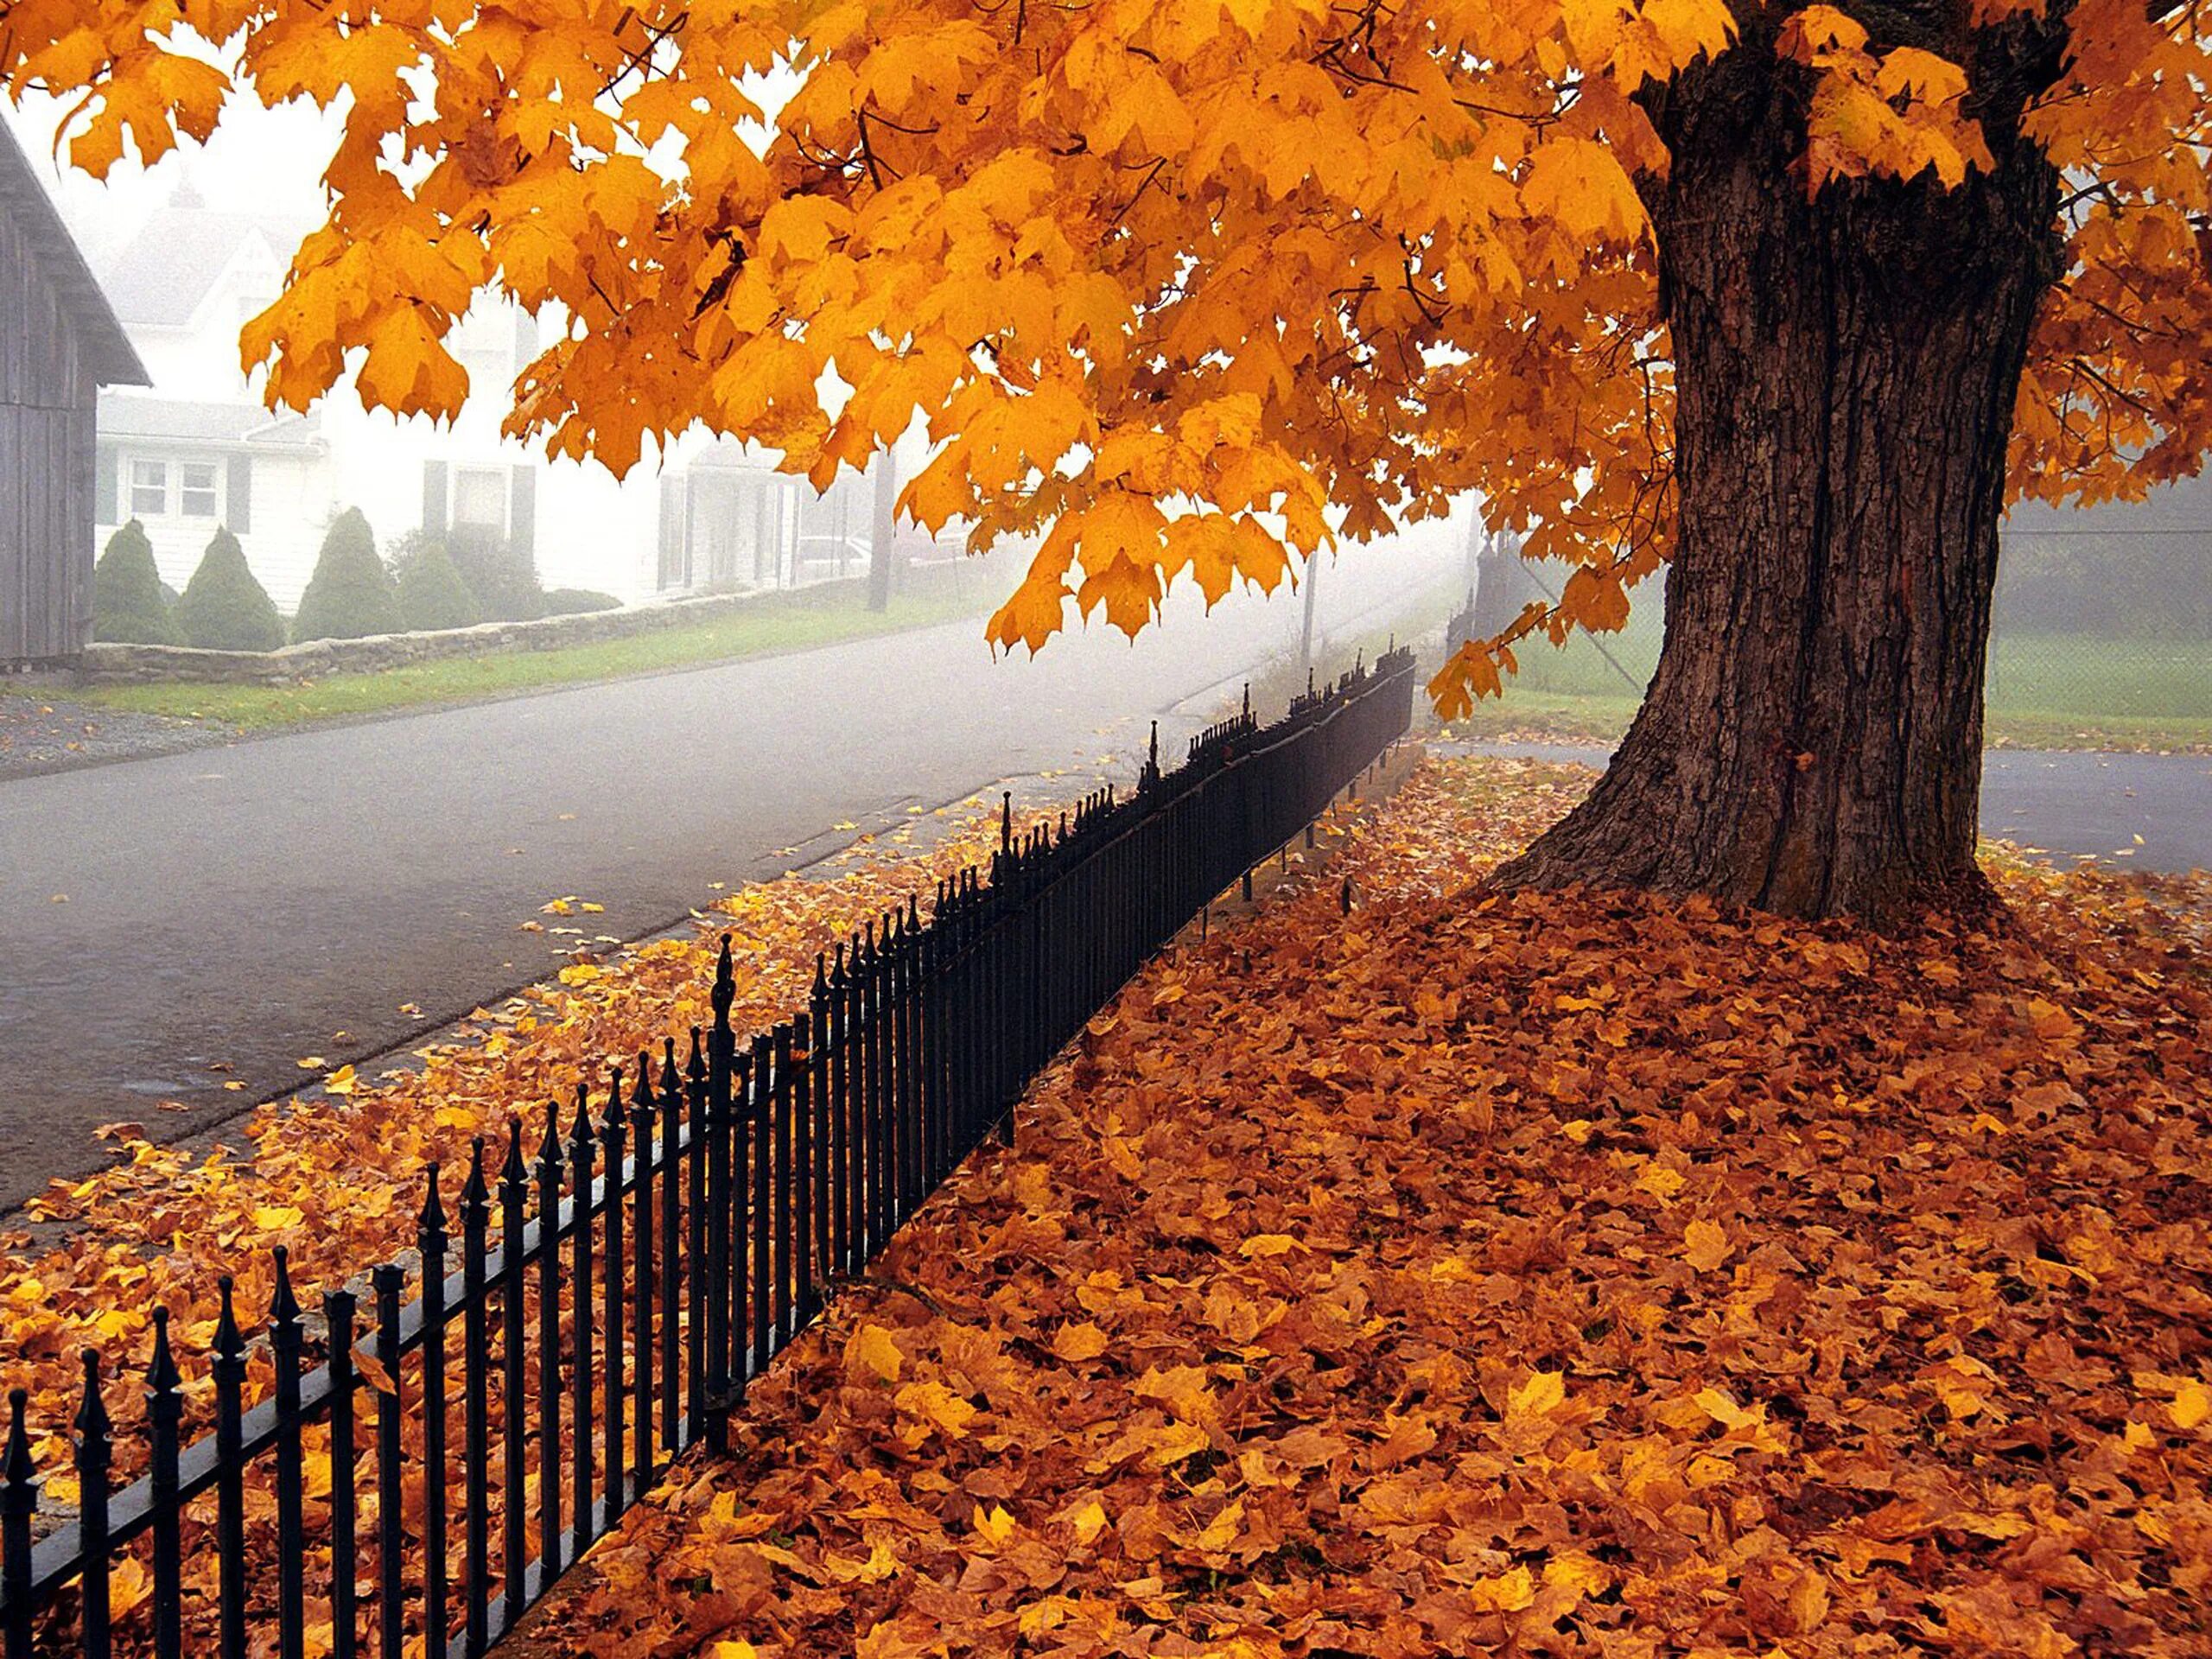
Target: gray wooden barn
58, 344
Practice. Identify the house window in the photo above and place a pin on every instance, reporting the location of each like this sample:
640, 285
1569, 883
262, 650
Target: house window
150, 488
196, 489
479, 497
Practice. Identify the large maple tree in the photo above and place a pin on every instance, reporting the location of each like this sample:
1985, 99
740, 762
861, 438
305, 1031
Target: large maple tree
1788, 299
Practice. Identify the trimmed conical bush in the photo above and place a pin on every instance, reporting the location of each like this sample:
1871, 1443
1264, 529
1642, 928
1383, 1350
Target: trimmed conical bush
350, 594
223, 608
128, 605
431, 593
502, 576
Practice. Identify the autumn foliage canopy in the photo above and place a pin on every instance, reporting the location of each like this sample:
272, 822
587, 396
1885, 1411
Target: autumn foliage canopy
1188, 287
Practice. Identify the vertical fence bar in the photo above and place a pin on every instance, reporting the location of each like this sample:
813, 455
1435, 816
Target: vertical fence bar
882, 1121
760, 1084
799, 1173
725, 1294
18, 1503
866, 1097
836, 1046
611, 1391
475, 1409
673, 1274
514, 1358
581, 1150
286, 1338
387, 1282
821, 1167
780, 1114
549, 1347
431, 1239
737, 1207
338, 1309
227, 1365
164, 1412
641, 1273
95, 1454
705, 1291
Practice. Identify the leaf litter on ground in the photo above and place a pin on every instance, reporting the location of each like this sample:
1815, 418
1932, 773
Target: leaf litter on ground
1567, 1273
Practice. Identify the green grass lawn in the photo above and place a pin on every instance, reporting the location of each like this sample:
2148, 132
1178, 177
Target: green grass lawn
2045, 690
779, 622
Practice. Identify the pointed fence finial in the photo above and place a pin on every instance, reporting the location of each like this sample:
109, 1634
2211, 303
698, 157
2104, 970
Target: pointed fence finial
580, 1131
821, 976
1248, 699
550, 1152
1005, 820
93, 1424
610, 1124
725, 991
694, 1069
284, 1306
472, 1190
161, 1374
432, 1224
229, 1344
17, 1469
512, 1169
641, 1087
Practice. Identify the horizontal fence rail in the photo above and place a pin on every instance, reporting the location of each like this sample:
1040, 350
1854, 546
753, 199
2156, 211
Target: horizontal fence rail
602, 1291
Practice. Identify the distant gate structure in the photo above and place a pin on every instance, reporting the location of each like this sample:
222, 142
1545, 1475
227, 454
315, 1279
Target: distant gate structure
60, 343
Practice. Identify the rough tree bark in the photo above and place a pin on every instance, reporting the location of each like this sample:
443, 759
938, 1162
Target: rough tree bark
1846, 371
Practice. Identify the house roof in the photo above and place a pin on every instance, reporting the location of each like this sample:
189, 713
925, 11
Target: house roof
162, 276
23, 200
174, 420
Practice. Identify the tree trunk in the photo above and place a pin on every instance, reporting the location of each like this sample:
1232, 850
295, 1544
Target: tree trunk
1845, 369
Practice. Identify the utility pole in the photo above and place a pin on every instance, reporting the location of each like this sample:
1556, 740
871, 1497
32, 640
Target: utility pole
884, 531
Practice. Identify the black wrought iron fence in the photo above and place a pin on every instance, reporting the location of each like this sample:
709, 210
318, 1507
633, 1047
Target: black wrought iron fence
618, 1287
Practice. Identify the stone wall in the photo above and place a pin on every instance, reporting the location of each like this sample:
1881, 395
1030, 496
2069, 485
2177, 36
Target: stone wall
118, 664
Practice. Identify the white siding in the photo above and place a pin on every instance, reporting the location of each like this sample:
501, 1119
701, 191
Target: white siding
291, 497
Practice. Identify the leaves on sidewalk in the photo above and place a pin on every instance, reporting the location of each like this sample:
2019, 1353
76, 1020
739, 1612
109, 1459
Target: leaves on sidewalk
337, 1179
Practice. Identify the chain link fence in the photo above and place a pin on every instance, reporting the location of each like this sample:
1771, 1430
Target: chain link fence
2102, 639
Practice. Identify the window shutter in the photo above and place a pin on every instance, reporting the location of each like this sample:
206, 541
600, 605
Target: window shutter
433, 498
238, 508
522, 509
107, 485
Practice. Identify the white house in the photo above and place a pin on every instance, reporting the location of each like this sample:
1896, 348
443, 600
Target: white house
199, 449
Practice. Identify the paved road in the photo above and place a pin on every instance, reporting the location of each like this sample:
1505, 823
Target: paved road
2066, 803
244, 905
2072, 804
